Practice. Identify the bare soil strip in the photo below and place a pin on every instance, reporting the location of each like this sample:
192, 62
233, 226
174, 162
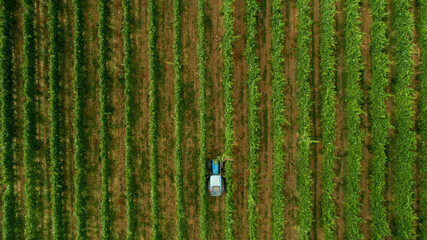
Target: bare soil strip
265, 116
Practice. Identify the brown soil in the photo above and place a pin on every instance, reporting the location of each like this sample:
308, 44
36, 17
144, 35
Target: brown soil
240, 152
43, 126
215, 114
191, 119
143, 206
166, 123
291, 134
265, 114
364, 27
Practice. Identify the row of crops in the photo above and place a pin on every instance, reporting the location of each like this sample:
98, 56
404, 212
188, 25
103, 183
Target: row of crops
9, 207
399, 149
327, 115
252, 79
33, 201
201, 73
380, 124
56, 135
405, 142
177, 65
129, 111
80, 141
304, 181
353, 110
278, 119
104, 34
227, 83
154, 128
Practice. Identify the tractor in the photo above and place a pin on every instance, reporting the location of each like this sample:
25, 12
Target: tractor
216, 182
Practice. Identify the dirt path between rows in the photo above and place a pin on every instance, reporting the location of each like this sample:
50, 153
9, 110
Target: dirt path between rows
265, 116
214, 108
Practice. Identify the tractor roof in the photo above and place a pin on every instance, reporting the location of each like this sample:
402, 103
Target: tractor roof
215, 180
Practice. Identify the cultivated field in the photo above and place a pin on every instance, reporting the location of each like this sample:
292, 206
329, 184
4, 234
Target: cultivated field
110, 110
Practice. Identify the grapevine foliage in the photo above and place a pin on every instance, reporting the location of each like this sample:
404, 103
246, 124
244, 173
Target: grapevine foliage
380, 124
327, 90
403, 195
104, 35
304, 181
201, 67
278, 83
352, 109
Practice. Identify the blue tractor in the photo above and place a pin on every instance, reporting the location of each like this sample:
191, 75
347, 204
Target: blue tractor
216, 182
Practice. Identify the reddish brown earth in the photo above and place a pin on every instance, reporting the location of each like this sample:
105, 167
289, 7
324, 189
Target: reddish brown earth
364, 28
240, 151
291, 134
215, 117
266, 146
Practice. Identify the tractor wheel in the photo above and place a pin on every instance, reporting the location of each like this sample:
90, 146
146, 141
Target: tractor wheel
222, 166
207, 183
209, 165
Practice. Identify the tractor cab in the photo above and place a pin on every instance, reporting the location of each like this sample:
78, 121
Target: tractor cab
216, 182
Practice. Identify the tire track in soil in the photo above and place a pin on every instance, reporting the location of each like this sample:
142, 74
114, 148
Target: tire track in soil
44, 131
66, 17
93, 179
240, 150
167, 214
415, 85
190, 144
117, 131
291, 129
214, 108
265, 116
140, 43
364, 84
